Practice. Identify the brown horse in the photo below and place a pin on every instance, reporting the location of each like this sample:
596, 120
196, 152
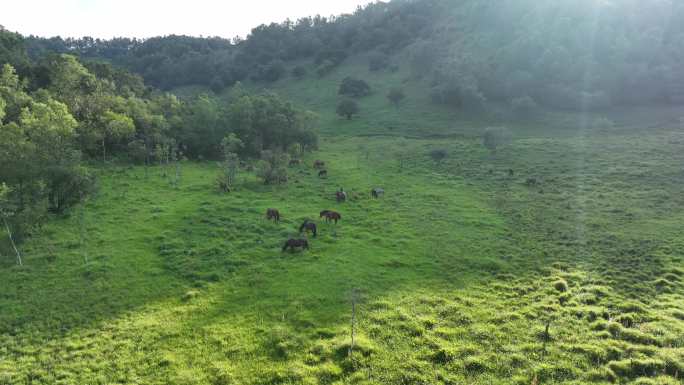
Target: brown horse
331, 215
273, 214
308, 226
294, 243
319, 164
323, 174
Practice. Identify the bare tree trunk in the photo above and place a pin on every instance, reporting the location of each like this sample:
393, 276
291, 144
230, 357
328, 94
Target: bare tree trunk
104, 152
9, 234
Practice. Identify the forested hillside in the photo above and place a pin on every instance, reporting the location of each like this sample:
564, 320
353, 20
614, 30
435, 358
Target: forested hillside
565, 54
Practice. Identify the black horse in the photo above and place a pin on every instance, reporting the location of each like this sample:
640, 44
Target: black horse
323, 174
377, 192
273, 214
294, 243
308, 226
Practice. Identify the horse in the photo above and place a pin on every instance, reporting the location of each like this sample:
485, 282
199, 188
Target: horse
341, 196
319, 164
273, 214
295, 162
308, 226
323, 174
377, 192
331, 215
294, 243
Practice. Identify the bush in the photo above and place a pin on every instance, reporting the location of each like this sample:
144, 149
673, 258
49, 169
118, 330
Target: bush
561, 285
272, 167
495, 137
354, 87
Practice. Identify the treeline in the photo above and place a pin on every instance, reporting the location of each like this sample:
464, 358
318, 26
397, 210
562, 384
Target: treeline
172, 61
59, 113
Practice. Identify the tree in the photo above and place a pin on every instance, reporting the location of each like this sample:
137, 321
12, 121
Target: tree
231, 146
354, 88
395, 96
116, 126
347, 108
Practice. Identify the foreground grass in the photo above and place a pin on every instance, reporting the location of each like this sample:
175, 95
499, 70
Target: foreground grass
458, 270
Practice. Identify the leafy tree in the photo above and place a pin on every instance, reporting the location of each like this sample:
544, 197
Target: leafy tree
347, 108
116, 127
396, 95
354, 87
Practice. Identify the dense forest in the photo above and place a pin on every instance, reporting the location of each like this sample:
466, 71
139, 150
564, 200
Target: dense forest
562, 54
59, 112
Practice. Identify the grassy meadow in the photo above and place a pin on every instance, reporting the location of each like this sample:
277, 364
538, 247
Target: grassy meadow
558, 259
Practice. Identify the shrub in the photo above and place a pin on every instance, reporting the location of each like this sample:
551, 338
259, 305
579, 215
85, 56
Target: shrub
272, 168
561, 285
495, 137
354, 87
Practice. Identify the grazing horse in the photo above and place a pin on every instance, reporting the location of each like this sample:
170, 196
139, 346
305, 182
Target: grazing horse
294, 243
308, 226
273, 214
295, 162
331, 215
377, 192
341, 196
319, 164
323, 174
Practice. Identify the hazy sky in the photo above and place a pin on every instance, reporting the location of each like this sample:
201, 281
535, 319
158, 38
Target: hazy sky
145, 18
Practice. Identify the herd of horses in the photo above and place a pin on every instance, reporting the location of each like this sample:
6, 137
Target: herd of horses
329, 215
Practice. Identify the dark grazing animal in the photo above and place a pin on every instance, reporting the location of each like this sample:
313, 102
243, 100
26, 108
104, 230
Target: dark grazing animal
377, 192
295, 162
294, 243
323, 174
308, 226
331, 215
319, 164
511, 172
273, 214
341, 196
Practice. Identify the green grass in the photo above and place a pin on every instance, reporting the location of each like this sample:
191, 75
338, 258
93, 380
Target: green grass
459, 268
